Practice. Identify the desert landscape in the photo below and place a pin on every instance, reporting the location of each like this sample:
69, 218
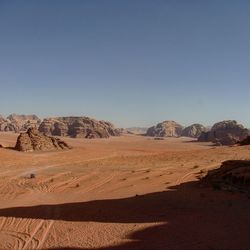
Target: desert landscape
123, 192
124, 125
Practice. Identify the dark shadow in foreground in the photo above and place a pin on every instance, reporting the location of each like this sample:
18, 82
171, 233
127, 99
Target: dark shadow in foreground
189, 217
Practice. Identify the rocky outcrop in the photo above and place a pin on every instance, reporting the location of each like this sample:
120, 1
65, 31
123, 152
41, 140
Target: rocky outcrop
232, 175
53, 126
78, 127
165, 129
33, 140
17, 123
245, 142
6, 126
195, 130
225, 133
15, 117
23, 122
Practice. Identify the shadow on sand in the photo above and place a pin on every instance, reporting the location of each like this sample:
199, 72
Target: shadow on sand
189, 217
10, 148
206, 144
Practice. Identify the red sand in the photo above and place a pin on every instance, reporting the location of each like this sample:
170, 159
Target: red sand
129, 192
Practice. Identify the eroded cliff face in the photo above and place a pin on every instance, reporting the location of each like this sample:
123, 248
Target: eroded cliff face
17, 123
225, 133
194, 130
165, 129
78, 127
33, 140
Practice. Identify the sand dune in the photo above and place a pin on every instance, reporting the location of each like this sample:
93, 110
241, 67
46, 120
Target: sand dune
129, 192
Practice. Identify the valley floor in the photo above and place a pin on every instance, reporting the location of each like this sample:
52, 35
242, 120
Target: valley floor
129, 192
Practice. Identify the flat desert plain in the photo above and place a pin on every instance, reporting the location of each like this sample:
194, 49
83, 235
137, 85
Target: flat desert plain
128, 192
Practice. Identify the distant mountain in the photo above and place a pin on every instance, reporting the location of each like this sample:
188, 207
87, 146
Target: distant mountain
226, 132
16, 117
78, 127
83, 127
137, 130
193, 130
17, 123
165, 129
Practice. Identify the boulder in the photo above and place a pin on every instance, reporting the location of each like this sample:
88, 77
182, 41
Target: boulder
165, 129
194, 130
33, 140
225, 133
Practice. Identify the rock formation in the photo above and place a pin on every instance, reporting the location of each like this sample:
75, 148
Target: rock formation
33, 140
17, 123
51, 126
245, 142
165, 129
232, 175
78, 127
15, 117
23, 122
225, 133
194, 130
6, 125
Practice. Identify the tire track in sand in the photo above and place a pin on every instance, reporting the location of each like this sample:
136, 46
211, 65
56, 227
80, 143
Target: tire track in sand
32, 235
45, 234
98, 184
195, 172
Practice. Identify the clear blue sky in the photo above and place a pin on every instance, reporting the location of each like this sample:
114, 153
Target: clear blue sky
133, 62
